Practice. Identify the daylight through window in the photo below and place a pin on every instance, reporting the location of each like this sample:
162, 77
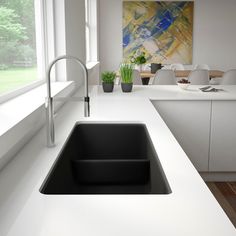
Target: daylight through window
91, 30
18, 57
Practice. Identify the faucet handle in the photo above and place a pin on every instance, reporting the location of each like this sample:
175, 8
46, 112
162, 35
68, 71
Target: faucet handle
86, 106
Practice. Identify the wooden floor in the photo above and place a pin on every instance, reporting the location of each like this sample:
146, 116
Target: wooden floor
225, 193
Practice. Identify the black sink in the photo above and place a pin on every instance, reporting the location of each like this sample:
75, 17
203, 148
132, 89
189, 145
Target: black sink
107, 158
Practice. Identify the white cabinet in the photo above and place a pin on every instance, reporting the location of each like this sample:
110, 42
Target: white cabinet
189, 121
223, 136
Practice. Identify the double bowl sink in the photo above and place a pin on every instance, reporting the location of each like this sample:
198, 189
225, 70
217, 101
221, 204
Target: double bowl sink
107, 158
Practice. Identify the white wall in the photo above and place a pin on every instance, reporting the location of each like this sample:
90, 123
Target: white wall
110, 34
75, 37
214, 33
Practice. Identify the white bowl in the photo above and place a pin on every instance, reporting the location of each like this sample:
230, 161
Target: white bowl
183, 86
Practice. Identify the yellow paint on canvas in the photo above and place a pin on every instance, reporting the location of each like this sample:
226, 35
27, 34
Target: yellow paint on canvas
144, 30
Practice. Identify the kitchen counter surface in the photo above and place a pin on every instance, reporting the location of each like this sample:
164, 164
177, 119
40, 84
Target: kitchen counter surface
173, 92
189, 210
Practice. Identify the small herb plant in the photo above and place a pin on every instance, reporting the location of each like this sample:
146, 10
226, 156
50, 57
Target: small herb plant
108, 77
126, 73
138, 59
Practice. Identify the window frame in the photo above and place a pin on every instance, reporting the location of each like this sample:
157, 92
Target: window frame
91, 19
44, 21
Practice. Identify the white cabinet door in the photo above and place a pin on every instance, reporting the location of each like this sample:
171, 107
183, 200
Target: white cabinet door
223, 136
189, 121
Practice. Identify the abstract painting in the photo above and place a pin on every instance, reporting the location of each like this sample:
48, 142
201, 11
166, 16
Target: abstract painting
161, 30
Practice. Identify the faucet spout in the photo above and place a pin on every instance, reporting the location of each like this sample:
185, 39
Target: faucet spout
49, 98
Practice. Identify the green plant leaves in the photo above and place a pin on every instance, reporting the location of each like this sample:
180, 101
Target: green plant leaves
108, 77
126, 73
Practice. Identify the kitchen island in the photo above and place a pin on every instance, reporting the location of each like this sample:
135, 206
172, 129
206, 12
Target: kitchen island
202, 122
190, 209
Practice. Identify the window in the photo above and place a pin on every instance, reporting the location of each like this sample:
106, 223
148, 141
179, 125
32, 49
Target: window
21, 44
91, 30
87, 31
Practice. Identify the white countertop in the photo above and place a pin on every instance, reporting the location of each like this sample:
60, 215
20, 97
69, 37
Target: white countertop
173, 92
189, 210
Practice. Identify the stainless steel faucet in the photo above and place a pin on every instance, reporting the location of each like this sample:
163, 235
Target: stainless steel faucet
49, 98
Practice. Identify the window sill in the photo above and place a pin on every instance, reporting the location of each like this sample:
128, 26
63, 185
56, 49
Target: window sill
12, 94
15, 110
91, 64
22, 116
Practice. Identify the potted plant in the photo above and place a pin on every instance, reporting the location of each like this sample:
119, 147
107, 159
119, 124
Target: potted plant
108, 78
139, 59
126, 74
